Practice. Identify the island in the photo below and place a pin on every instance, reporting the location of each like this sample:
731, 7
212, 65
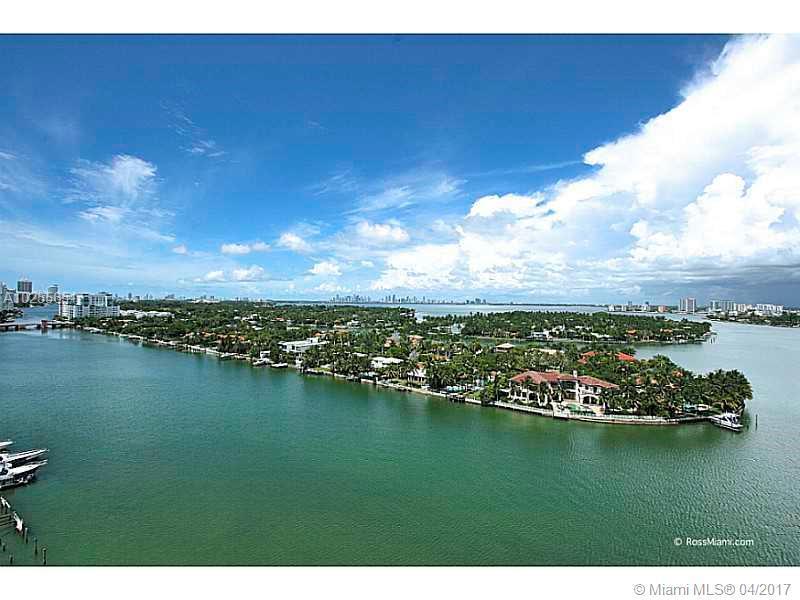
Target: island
573, 365
787, 318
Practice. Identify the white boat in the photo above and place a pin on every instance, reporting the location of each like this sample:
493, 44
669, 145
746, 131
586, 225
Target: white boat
279, 365
5, 444
16, 476
20, 457
27, 468
728, 421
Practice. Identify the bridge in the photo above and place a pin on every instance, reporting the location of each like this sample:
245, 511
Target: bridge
44, 324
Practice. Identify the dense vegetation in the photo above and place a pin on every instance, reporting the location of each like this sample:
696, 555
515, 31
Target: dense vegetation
787, 319
597, 326
658, 386
461, 363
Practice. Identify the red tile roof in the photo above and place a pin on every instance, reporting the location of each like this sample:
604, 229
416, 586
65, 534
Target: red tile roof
589, 380
537, 377
620, 356
541, 377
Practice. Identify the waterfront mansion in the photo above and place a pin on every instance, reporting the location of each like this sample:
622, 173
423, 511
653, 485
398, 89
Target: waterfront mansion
543, 388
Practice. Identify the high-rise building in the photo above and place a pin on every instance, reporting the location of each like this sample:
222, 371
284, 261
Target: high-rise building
722, 306
88, 305
25, 285
775, 310
53, 289
6, 297
687, 305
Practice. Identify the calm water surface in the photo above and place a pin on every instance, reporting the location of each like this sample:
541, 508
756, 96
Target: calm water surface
159, 457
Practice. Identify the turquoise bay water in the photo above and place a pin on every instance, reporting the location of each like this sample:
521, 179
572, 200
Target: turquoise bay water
159, 457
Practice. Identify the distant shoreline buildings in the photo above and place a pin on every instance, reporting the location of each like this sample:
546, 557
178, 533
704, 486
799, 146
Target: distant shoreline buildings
715, 308
396, 299
687, 305
105, 303
730, 308
88, 305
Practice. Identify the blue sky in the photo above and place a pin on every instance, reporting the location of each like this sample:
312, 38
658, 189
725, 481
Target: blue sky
541, 168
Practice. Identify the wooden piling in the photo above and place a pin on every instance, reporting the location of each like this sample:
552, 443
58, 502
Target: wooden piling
11, 559
44, 556
35, 546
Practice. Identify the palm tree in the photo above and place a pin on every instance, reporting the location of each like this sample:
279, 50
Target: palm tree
544, 392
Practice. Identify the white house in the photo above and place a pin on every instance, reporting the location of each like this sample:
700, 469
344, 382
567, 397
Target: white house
301, 346
141, 314
418, 375
381, 362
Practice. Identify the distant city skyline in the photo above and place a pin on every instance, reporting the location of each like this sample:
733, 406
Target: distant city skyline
690, 304
572, 169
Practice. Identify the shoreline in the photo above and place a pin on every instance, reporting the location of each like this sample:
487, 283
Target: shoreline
559, 414
736, 322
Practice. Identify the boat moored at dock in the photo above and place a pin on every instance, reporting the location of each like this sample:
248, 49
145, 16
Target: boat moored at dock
16, 458
11, 476
728, 420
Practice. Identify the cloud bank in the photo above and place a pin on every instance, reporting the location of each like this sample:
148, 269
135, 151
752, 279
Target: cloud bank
707, 191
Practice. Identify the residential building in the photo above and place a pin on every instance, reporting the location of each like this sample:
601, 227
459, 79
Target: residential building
88, 305
687, 305
381, 362
6, 297
418, 375
542, 388
769, 310
620, 356
725, 306
25, 285
301, 346
142, 314
52, 293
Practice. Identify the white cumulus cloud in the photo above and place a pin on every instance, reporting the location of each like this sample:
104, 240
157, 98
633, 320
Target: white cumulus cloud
292, 241
251, 273
240, 249
514, 204
212, 276
326, 268
381, 233
709, 189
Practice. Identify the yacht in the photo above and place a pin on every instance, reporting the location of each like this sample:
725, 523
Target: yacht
5, 444
21, 457
16, 476
727, 421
